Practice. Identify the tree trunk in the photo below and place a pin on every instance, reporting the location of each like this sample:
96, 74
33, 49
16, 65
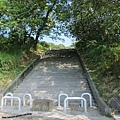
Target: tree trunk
35, 43
43, 26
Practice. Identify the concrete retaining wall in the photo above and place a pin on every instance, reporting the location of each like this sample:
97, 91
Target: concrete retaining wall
104, 108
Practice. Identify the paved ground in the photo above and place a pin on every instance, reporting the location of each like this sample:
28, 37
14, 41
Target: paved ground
55, 74
56, 114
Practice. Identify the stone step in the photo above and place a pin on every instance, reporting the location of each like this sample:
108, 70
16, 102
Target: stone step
53, 92
58, 72
28, 86
52, 89
59, 61
53, 77
54, 82
53, 85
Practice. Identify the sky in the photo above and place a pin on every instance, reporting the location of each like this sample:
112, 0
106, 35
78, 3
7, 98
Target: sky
66, 43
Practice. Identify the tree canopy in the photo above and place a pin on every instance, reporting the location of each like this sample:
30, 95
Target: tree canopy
90, 22
28, 20
94, 22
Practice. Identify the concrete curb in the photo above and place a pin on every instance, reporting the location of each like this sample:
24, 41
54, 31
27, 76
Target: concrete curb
104, 108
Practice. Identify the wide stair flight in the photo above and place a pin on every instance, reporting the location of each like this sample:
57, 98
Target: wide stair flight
59, 71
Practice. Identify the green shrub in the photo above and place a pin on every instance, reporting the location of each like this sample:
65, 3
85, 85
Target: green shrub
102, 57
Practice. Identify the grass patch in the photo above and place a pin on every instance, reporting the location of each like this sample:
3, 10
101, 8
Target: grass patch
107, 86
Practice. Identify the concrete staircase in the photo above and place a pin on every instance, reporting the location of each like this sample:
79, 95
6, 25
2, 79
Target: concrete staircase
59, 71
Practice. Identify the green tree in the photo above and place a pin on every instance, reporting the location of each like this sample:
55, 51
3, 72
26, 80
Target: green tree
92, 22
97, 22
27, 18
61, 46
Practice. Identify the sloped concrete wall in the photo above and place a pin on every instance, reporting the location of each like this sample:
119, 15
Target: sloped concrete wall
104, 108
115, 101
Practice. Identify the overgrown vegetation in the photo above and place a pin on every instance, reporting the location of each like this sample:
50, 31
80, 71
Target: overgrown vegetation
12, 62
103, 64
